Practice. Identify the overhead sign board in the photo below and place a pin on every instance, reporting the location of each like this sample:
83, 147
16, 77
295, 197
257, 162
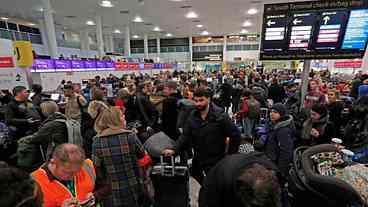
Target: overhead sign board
315, 30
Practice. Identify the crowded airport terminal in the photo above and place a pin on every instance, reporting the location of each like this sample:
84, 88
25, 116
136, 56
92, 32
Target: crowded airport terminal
183, 103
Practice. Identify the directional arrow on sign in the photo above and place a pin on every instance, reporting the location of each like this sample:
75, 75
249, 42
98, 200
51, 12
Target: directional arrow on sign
269, 23
297, 21
326, 19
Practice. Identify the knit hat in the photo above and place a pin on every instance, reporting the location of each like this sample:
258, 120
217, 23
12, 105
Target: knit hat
280, 108
320, 109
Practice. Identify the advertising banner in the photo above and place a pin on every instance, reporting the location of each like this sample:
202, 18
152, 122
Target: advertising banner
6, 62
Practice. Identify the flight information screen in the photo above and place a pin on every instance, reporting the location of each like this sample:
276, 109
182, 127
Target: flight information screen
315, 30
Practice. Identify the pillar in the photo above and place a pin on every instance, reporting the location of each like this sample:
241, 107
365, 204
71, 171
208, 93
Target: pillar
84, 40
191, 53
50, 28
305, 81
158, 44
224, 51
111, 42
43, 31
145, 46
99, 36
127, 41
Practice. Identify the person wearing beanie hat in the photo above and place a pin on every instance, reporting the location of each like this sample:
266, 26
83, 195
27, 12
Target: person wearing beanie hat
280, 108
317, 129
279, 145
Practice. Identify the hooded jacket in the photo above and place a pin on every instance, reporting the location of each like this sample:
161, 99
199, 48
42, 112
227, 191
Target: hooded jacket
279, 145
208, 137
50, 131
219, 188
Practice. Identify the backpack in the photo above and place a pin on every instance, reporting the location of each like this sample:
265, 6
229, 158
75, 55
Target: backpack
259, 94
356, 132
86, 119
74, 131
185, 108
254, 109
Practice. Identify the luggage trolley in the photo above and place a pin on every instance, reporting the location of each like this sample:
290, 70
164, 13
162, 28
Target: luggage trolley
171, 183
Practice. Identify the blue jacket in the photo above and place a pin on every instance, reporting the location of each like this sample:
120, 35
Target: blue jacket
279, 145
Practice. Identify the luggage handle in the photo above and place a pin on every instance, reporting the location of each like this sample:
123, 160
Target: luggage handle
163, 166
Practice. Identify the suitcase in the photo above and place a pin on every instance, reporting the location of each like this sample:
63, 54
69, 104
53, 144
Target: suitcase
171, 183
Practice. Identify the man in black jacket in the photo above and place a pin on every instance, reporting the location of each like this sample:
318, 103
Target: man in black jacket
240, 180
140, 108
170, 110
276, 92
21, 115
207, 130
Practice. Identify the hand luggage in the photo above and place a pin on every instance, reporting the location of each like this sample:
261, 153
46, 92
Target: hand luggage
171, 183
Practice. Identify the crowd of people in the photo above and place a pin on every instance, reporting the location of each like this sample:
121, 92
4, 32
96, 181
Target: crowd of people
239, 128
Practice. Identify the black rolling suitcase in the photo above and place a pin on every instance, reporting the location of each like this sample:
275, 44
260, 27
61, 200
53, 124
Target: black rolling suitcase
171, 183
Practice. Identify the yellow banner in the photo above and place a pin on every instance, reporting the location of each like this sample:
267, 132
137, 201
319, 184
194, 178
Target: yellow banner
23, 52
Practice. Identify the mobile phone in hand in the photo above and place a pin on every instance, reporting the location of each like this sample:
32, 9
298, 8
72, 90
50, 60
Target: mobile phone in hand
88, 203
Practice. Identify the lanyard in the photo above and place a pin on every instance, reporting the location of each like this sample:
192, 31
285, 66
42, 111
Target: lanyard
71, 187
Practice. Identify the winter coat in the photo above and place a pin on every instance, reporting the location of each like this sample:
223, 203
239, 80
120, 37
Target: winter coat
50, 131
276, 92
16, 116
133, 112
225, 95
279, 145
170, 116
334, 112
185, 107
219, 189
325, 128
50, 134
208, 137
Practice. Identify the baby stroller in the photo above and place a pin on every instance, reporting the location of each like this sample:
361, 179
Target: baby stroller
307, 187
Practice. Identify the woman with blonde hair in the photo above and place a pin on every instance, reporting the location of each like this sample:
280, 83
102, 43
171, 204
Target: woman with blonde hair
115, 152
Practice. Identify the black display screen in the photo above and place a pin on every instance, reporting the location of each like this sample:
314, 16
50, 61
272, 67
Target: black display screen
315, 30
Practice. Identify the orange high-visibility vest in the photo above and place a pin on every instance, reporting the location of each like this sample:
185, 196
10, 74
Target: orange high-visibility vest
55, 193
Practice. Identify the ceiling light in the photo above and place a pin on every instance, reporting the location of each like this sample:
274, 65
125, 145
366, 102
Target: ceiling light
205, 33
117, 31
138, 19
156, 29
90, 23
243, 31
199, 26
252, 11
106, 3
176, 0
169, 35
4, 18
135, 36
191, 15
247, 24
31, 24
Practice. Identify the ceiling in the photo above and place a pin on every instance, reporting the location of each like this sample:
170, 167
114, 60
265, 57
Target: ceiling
218, 17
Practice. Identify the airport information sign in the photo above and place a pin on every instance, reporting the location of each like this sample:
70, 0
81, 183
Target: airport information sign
315, 30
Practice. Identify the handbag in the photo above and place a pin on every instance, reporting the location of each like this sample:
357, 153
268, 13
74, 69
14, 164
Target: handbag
145, 161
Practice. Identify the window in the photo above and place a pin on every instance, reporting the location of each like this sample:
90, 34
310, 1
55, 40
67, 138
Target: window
163, 49
12, 26
171, 49
203, 48
2, 25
